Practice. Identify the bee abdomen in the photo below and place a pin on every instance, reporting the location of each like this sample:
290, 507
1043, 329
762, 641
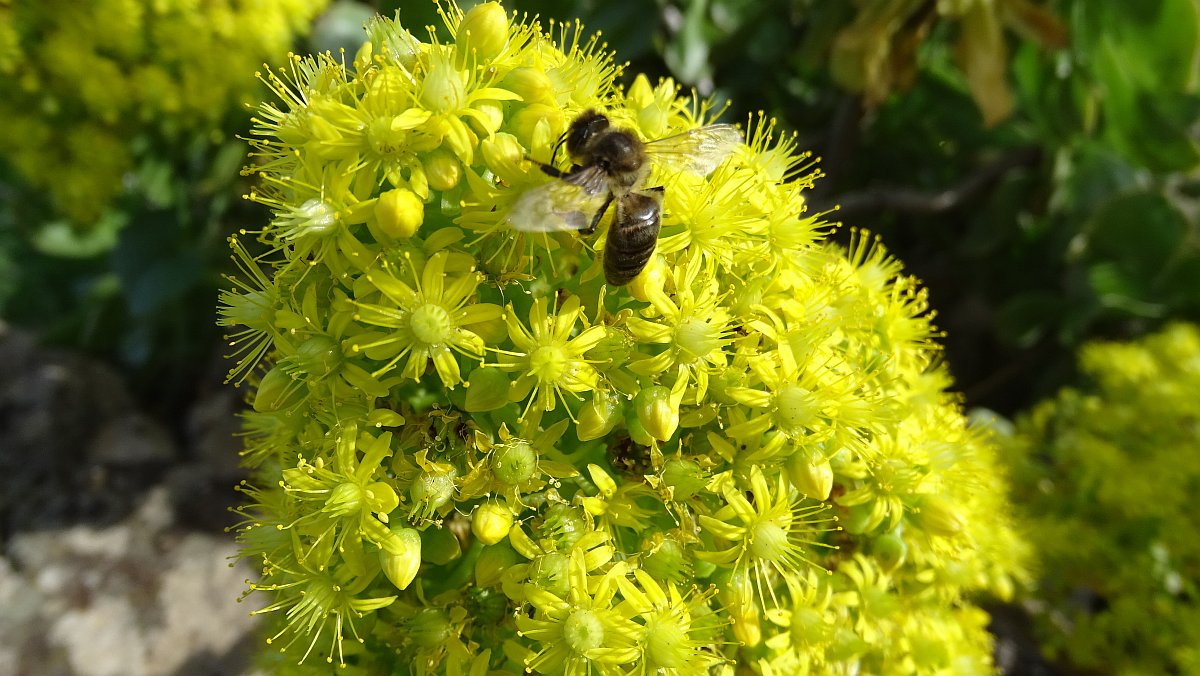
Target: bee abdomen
632, 237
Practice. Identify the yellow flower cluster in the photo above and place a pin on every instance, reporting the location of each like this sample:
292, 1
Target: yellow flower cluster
475, 456
80, 81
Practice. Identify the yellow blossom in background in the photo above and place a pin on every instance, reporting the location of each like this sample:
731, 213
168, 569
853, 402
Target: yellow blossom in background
746, 458
79, 82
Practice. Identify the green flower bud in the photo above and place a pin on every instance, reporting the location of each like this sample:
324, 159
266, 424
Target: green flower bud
598, 416
658, 415
491, 521
483, 30
515, 462
433, 488
487, 389
549, 572
278, 391
503, 155
439, 545
318, 356
684, 477
486, 606
889, 550
637, 433
937, 516
429, 628
612, 351
492, 563
564, 524
859, 519
668, 563
400, 556
442, 170
445, 89
531, 84
399, 213
810, 475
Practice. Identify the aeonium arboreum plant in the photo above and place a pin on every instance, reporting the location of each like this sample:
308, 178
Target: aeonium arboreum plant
475, 456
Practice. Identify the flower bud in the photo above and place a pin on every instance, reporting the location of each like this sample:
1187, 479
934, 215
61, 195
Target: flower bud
318, 356
491, 521
400, 556
433, 488
656, 412
531, 84
549, 572
442, 170
810, 474
889, 550
445, 87
668, 563
492, 562
487, 389
515, 462
278, 391
429, 628
439, 546
564, 524
938, 516
860, 519
598, 416
611, 351
684, 477
399, 213
483, 30
503, 154
637, 433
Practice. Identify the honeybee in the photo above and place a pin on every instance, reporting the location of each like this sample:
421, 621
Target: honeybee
612, 165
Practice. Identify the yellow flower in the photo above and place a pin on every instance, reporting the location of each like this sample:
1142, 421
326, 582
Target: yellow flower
427, 320
773, 533
548, 359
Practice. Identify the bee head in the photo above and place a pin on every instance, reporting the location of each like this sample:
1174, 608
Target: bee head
583, 130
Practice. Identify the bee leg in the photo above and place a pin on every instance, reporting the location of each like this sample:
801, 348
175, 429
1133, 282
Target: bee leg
599, 214
658, 189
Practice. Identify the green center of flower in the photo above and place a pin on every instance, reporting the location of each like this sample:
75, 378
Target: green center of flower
768, 541
583, 631
794, 408
667, 643
514, 463
431, 324
696, 338
548, 363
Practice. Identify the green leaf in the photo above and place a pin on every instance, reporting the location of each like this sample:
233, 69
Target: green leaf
1140, 233
61, 239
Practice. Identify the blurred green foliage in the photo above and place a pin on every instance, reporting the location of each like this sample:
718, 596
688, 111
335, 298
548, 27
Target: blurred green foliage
1106, 475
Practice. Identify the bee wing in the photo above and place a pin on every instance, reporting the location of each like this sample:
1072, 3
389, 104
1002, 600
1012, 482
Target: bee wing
697, 150
568, 203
